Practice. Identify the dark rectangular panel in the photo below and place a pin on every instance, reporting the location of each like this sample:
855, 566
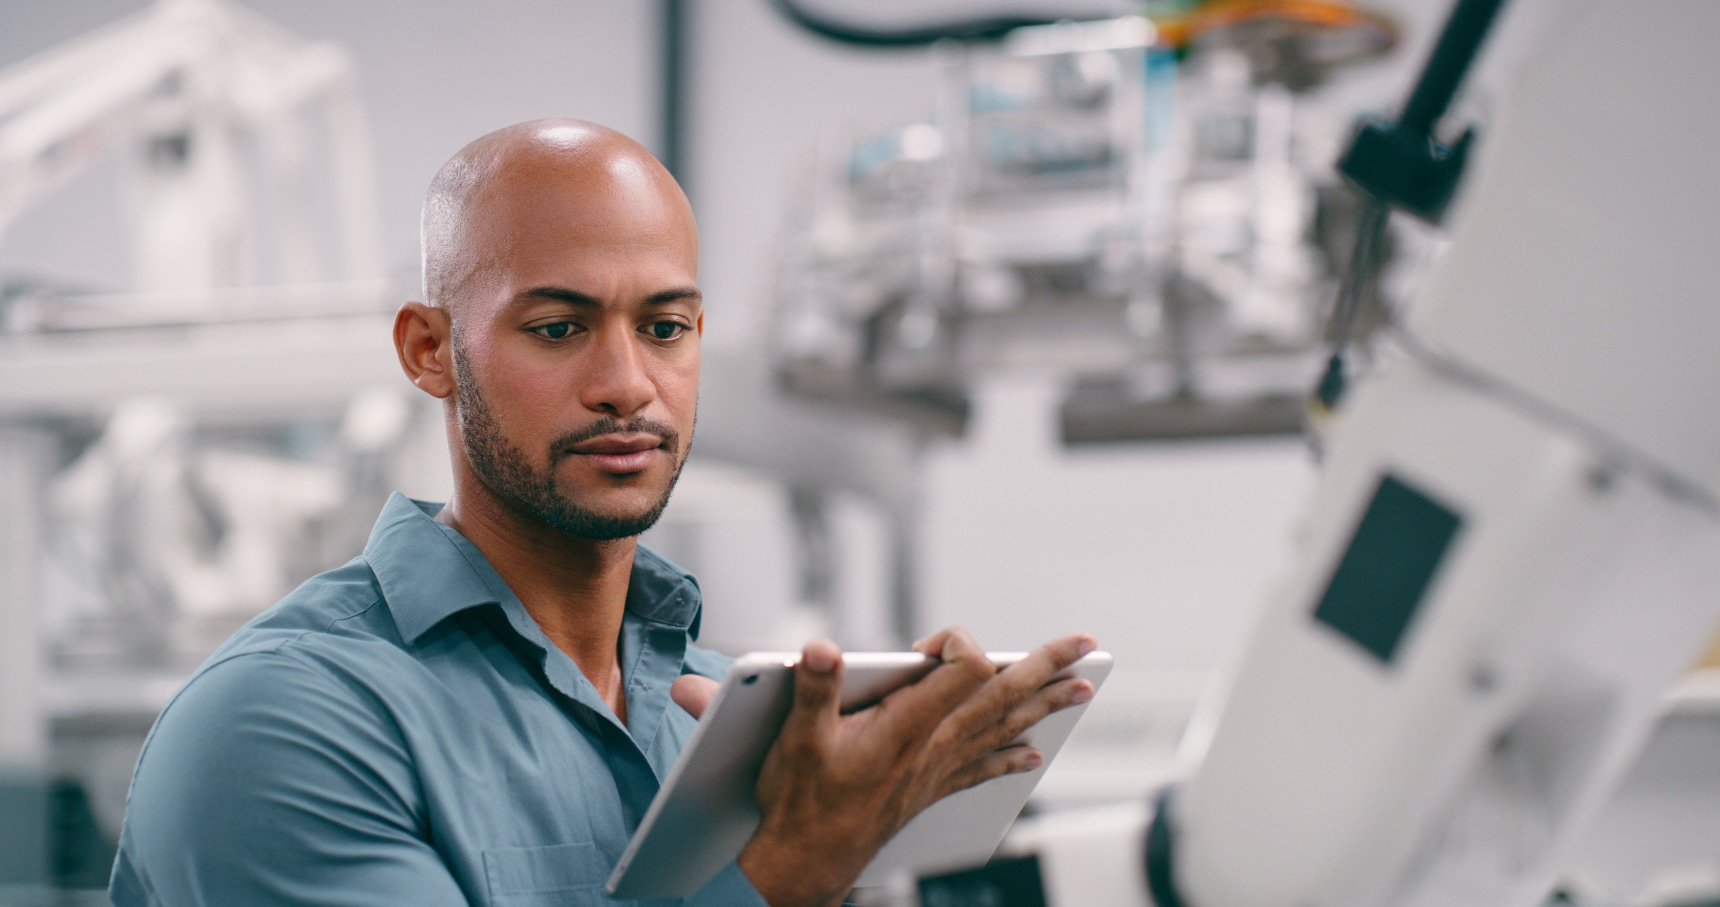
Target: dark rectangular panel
1003, 882
1388, 566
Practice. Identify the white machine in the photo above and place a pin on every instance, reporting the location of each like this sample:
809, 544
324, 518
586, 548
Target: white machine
1515, 547
247, 205
218, 111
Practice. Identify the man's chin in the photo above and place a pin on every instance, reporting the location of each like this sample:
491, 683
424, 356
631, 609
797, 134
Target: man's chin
601, 524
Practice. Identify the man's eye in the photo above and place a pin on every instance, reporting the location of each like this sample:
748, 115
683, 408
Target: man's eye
666, 330
558, 330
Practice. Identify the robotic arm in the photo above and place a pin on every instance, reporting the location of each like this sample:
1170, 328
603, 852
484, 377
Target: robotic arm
184, 86
1515, 545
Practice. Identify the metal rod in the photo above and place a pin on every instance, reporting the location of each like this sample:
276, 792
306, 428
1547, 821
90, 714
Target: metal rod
672, 127
1458, 42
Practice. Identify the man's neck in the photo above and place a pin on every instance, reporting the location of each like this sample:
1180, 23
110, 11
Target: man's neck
576, 589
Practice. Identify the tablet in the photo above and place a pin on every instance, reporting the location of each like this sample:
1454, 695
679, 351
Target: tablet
704, 813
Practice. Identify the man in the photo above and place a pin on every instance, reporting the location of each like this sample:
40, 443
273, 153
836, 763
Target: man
480, 708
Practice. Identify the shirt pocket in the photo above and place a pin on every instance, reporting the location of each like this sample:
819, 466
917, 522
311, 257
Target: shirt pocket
561, 874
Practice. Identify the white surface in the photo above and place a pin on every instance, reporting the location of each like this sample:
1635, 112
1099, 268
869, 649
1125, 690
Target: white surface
730, 527
1664, 821
1582, 268
1088, 857
1163, 551
285, 367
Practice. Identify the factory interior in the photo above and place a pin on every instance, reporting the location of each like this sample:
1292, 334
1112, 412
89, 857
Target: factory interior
1026, 317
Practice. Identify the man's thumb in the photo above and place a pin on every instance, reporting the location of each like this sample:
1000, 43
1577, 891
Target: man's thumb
817, 681
693, 693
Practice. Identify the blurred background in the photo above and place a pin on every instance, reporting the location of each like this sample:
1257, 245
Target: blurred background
1014, 333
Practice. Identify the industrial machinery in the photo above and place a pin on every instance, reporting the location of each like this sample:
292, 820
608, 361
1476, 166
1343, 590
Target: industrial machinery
232, 131
1515, 547
160, 482
249, 199
1139, 205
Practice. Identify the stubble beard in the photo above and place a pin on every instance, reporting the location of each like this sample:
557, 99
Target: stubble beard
509, 474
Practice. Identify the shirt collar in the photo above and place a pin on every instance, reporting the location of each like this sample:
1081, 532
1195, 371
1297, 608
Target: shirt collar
424, 582
661, 592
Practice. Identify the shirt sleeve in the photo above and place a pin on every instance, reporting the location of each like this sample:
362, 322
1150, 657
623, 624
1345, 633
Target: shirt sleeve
731, 888
268, 781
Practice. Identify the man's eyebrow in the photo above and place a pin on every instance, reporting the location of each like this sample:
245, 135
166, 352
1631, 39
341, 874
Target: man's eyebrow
675, 294
561, 294
586, 300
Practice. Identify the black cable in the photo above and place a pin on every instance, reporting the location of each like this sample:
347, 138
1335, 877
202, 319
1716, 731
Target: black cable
1364, 266
985, 28
1458, 44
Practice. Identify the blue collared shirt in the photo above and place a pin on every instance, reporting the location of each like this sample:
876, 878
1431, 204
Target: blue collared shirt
400, 731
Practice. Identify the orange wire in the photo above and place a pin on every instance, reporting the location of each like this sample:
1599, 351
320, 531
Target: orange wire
1178, 31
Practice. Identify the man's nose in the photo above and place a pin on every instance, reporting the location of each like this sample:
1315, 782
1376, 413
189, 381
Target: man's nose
617, 380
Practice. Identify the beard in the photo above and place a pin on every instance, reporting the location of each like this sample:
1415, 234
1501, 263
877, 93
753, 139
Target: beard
510, 475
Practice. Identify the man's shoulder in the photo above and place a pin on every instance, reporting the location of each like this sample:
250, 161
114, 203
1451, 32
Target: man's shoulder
302, 675
271, 739
334, 630
347, 598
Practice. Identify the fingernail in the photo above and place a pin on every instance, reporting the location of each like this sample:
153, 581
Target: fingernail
1088, 644
1083, 693
1034, 760
819, 660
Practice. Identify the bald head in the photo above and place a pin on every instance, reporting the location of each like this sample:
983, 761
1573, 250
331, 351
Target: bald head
560, 326
539, 174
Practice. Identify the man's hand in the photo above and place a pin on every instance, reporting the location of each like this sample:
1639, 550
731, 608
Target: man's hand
694, 693
835, 788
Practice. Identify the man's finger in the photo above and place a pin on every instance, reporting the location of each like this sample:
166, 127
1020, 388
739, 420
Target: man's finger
1055, 697
817, 693
933, 645
694, 693
964, 668
1015, 684
995, 764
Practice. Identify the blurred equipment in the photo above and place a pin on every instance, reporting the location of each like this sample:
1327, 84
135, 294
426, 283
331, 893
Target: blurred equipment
1514, 552
1402, 165
176, 456
186, 534
206, 489
216, 111
1138, 207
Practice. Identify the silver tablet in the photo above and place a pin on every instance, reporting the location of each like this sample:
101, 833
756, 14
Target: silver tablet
705, 813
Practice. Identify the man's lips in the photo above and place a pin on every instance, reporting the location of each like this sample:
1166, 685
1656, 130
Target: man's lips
619, 453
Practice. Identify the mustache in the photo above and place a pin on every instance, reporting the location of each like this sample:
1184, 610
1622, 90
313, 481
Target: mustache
609, 425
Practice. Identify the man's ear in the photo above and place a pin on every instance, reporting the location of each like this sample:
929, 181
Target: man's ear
424, 340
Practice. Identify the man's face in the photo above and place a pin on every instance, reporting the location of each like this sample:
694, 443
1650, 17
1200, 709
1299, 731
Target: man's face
576, 347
